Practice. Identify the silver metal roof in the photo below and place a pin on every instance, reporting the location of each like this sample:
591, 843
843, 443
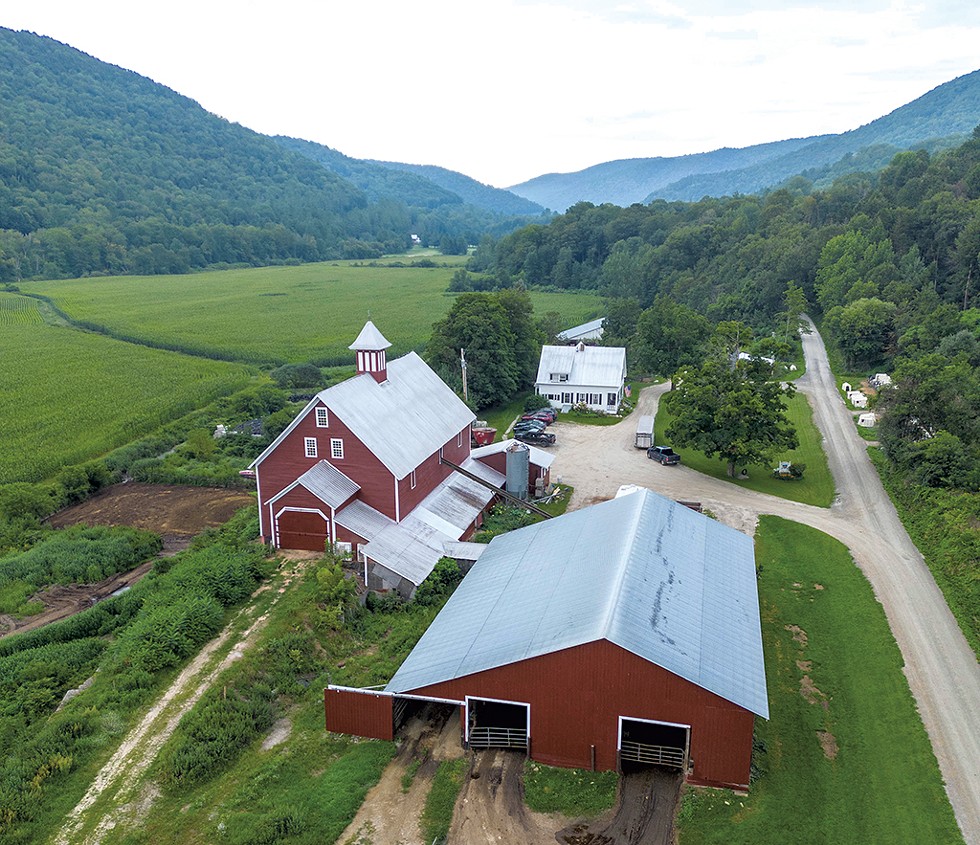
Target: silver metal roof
641, 571
454, 504
363, 520
539, 457
326, 482
370, 338
645, 424
593, 326
598, 366
409, 548
464, 551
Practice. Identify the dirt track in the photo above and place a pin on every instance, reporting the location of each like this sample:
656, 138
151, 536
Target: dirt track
941, 668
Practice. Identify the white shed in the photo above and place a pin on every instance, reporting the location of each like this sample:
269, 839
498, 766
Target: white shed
869, 420
858, 399
846, 387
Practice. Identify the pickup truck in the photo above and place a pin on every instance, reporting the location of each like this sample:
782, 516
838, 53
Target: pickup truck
664, 454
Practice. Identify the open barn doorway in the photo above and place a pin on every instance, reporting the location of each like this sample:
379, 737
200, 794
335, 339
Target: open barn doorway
491, 723
645, 742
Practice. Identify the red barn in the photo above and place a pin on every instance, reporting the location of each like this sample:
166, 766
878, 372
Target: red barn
624, 633
362, 467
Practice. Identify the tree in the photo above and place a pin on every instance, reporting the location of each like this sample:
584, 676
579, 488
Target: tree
726, 412
480, 325
669, 335
864, 329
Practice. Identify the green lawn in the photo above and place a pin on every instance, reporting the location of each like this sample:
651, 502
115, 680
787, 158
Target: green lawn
69, 395
815, 488
277, 314
844, 757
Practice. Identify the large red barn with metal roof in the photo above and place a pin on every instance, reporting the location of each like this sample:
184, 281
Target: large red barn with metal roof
624, 633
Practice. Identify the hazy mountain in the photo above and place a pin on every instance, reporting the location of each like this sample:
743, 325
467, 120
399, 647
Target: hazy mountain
942, 117
105, 171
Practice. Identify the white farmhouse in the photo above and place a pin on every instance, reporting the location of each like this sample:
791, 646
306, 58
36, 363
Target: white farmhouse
589, 375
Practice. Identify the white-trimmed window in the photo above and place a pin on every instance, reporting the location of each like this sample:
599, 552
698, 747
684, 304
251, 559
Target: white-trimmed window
411, 479
309, 444
459, 439
322, 421
336, 448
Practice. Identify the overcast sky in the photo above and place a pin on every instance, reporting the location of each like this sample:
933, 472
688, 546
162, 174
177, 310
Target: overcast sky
510, 89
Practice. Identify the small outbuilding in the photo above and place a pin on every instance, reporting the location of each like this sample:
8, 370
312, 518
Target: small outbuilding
592, 330
858, 399
649, 653
869, 420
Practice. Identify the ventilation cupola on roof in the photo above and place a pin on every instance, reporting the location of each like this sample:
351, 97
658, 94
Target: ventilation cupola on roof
370, 347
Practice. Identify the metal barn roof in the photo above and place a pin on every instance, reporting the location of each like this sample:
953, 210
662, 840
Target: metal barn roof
402, 421
598, 366
641, 571
539, 457
591, 329
326, 482
370, 338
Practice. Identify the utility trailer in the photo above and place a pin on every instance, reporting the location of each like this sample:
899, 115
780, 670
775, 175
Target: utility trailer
644, 433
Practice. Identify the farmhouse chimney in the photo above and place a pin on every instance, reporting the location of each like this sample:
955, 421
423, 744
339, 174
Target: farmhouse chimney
369, 349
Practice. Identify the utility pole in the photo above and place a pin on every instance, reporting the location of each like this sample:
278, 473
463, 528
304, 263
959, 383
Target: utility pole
462, 364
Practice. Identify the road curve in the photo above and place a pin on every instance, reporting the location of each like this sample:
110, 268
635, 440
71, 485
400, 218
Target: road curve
941, 668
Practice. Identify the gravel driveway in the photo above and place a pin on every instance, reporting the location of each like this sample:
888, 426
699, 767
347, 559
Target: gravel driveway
941, 667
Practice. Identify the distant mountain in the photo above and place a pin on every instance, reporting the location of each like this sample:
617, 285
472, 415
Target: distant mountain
942, 117
105, 171
469, 190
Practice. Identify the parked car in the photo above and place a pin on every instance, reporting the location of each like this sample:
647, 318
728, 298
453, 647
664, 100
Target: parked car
536, 438
549, 415
530, 425
664, 454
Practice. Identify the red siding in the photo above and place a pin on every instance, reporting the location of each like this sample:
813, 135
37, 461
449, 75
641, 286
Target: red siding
577, 696
498, 462
431, 473
360, 713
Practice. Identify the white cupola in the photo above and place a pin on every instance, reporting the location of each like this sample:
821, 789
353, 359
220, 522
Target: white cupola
370, 347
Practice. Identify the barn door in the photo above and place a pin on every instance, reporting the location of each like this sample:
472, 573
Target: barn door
491, 723
302, 529
651, 743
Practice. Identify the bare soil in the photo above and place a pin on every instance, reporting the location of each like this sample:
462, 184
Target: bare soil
177, 514
644, 815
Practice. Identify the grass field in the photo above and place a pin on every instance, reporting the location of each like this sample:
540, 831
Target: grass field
844, 757
815, 488
69, 395
277, 314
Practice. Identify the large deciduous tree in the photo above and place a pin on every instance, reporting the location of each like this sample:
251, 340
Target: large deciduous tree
725, 411
669, 335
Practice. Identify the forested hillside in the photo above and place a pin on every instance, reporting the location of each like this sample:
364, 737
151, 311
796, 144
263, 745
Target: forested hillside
939, 119
104, 171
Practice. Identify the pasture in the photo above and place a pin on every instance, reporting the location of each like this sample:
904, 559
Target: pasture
70, 395
273, 315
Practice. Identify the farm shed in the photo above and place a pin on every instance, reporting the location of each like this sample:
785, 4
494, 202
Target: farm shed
494, 455
644, 432
869, 420
648, 653
858, 399
593, 330
362, 467
582, 375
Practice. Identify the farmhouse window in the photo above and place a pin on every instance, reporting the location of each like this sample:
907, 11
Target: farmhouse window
336, 447
611, 398
310, 446
321, 418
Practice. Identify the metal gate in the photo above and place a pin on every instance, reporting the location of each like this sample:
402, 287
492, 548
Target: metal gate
652, 743
493, 723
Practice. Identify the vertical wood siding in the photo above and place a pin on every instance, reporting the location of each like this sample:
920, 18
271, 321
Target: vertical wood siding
577, 696
359, 713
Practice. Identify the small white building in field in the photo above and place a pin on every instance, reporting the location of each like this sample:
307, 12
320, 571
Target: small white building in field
580, 374
858, 399
868, 420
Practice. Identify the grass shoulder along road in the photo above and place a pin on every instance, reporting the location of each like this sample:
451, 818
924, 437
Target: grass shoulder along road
815, 488
844, 757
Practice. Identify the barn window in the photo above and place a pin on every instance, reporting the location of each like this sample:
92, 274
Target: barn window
459, 439
336, 447
310, 446
321, 417
411, 479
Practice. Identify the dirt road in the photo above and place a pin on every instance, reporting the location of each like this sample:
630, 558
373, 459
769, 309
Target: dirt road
941, 668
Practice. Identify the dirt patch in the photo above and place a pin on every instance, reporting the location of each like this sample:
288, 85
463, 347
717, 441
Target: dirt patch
811, 693
644, 814
818, 586
828, 742
176, 513
278, 734
62, 601
390, 812
804, 665
799, 635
